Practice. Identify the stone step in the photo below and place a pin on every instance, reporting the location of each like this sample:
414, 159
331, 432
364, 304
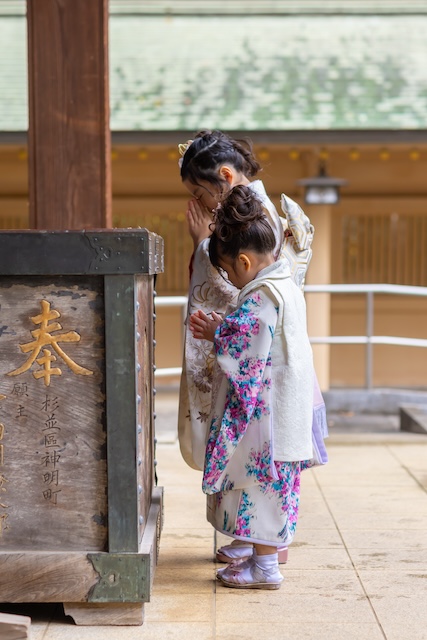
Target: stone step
13, 627
413, 418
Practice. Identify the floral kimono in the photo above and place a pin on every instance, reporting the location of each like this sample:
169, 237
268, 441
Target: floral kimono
252, 480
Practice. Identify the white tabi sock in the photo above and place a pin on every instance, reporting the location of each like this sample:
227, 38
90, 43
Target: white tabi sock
269, 563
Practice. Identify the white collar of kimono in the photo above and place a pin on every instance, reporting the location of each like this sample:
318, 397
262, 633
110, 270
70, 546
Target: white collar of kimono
258, 187
277, 270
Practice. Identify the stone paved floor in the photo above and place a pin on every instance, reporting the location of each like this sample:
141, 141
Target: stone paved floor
357, 568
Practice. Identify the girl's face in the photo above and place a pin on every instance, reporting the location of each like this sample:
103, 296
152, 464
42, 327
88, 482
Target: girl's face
208, 194
205, 192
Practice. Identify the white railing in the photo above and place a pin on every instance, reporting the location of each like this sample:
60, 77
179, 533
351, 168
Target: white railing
369, 339
171, 301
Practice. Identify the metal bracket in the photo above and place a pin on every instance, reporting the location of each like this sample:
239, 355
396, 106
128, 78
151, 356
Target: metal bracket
123, 577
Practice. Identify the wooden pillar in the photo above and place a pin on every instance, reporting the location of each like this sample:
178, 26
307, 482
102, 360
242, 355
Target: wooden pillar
69, 137
319, 304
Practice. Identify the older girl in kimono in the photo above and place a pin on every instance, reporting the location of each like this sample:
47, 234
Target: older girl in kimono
260, 425
211, 165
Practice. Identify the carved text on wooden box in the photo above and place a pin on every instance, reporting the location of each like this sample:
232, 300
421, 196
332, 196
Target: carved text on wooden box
52, 414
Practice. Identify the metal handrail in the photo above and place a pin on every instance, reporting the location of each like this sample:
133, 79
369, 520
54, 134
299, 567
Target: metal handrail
369, 339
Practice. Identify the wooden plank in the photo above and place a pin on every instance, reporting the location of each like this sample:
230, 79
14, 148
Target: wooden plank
53, 473
118, 251
121, 413
71, 577
69, 138
13, 627
46, 577
145, 382
150, 543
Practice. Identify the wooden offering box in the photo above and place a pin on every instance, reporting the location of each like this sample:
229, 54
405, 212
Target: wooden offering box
80, 517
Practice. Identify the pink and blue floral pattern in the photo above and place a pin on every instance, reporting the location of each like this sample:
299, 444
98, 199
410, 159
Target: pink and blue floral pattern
242, 345
250, 496
244, 516
259, 465
264, 512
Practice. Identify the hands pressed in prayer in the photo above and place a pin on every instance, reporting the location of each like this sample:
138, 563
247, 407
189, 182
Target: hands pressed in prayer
202, 326
198, 218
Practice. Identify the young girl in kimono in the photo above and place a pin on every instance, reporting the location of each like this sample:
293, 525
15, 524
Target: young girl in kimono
260, 435
211, 165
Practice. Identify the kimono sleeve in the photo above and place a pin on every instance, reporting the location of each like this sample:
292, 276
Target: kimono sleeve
242, 347
242, 344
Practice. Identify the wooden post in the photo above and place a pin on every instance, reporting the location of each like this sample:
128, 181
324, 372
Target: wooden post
69, 137
319, 304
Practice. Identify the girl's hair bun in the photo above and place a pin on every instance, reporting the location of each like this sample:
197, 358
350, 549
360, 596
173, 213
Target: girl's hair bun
239, 224
239, 210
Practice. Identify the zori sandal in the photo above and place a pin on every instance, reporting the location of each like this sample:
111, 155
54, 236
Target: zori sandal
283, 554
236, 565
248, 575
240, 550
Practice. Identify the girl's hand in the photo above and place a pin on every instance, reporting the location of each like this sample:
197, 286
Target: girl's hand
198, 218
202, 326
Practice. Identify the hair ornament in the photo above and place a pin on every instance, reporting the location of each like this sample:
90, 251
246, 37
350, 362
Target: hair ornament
182, 148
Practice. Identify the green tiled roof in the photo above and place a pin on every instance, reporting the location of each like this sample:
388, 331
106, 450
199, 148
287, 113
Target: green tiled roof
283, 72
283, 7
249, 72
13, 74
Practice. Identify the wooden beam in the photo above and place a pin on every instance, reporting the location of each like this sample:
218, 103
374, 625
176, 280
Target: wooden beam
69, 137
46, 576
